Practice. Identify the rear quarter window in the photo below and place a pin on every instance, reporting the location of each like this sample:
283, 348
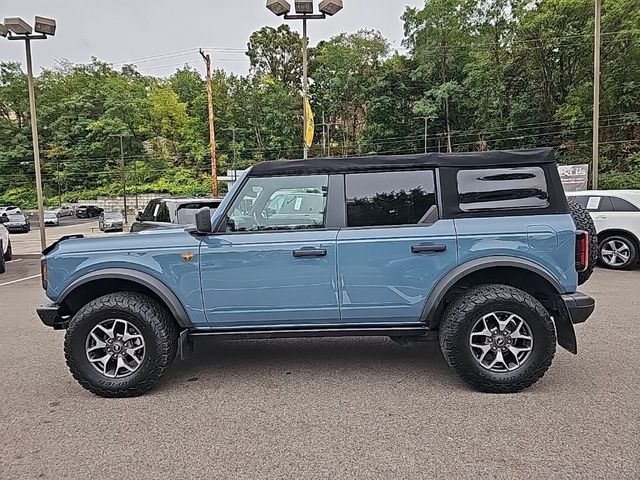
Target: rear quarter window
502, 189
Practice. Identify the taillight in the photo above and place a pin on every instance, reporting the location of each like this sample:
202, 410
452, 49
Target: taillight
44, 271
582, 251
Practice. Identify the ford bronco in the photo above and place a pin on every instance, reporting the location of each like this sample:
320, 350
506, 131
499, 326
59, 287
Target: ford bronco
477, 250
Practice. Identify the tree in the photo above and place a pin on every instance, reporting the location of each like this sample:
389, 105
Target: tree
276, 52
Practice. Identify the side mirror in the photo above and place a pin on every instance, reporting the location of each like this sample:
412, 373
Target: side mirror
203, 220
4, 219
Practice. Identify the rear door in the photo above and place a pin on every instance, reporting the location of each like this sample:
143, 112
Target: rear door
394, 248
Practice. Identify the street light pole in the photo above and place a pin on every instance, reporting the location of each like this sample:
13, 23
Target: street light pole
36, 145
304, 10
14, 28
596, 96
305, 84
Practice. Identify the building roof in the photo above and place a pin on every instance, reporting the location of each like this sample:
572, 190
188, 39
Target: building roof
495, 158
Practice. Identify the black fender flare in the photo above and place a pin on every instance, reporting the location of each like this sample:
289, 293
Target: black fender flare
564, 328
163, 292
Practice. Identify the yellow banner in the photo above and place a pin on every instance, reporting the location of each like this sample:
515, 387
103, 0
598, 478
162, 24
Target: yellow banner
310, 126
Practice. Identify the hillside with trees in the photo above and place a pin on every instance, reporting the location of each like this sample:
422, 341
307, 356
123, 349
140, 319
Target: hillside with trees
487, 75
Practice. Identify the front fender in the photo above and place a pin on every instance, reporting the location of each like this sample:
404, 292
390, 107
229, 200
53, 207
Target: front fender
163, 292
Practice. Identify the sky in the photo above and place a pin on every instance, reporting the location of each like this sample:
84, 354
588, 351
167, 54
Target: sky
160, 36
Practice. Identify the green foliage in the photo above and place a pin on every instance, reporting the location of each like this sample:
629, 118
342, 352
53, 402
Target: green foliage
487, 75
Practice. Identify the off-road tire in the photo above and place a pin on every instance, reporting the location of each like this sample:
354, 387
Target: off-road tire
583, 221
633, 252
3, 265
8, 256
154, 323
481, 300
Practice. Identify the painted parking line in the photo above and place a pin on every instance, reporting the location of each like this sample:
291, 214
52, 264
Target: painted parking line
19, 280
15, 261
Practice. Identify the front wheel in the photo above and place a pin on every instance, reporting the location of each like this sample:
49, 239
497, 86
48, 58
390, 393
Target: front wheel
8, 255
3, 265
499, 339
120, 345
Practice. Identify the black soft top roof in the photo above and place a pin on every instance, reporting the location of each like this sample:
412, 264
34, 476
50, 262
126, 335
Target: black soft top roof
495, 158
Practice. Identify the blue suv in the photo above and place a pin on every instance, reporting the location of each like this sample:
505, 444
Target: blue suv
476, 250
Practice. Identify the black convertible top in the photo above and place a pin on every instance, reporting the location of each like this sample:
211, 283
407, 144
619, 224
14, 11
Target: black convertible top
495, 158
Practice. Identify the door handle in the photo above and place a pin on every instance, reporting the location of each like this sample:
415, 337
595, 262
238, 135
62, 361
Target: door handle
310, 252
428, 248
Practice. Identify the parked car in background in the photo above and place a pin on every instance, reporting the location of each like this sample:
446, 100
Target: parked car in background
165, 212
51, 218
616, 214
16, 223
88, 211
10, 210
6, 252
63, 211
111, 222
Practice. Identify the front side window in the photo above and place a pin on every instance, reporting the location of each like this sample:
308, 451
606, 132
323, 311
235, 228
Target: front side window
280, 203
389, 198
502, 188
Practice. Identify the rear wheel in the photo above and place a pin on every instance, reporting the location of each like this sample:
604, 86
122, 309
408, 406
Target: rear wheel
618, 252
120, 345
583, 221
497, 338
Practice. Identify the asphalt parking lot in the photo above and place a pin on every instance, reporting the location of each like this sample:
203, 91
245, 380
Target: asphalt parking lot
333, 408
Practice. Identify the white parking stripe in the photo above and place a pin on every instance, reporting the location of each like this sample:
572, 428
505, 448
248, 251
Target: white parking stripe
19, 280
15, 261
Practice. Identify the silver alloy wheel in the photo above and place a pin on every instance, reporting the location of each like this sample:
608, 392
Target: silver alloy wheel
615, 253
501, 341
115, 348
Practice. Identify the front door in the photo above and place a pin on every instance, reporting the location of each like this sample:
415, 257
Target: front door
276, 263
394, 248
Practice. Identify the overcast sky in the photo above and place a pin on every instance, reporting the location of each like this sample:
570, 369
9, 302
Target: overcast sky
170, 31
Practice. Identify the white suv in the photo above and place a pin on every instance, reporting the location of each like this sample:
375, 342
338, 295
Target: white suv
616, 214
5, 248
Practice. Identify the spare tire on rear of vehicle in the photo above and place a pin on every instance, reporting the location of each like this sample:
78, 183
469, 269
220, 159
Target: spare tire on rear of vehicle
583, 221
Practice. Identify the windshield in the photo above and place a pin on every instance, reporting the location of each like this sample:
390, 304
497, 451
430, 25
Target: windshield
112, 216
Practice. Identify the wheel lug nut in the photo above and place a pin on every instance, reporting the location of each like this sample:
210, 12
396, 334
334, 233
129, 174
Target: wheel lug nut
504, 349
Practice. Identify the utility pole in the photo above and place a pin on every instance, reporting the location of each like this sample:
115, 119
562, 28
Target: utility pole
58, 178
212, 132
326, 137
233, 131
426, 131
124, 172
596, 96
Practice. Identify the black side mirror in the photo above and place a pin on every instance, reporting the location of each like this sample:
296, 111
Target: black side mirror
4, 219
203, 220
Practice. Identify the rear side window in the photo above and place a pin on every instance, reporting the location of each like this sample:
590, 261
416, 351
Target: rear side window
502, 188
622, 205
389, 198
595, 204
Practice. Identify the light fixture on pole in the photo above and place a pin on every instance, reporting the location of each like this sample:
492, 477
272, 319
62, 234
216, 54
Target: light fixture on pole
304, 7
330, 7
279, 7
304, 12
15, 28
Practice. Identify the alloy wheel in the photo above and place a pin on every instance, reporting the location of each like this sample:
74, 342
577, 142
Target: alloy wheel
501, 341
115, 348
615, 253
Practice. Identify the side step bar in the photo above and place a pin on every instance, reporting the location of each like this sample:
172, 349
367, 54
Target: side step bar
417, 333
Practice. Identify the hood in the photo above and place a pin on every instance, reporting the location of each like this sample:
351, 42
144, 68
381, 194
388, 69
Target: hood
147, 240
